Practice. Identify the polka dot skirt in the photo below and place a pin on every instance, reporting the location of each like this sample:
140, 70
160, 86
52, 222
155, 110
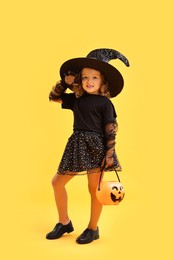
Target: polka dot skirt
83, 154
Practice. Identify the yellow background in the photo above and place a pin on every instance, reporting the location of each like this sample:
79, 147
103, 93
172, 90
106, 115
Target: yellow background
36, 38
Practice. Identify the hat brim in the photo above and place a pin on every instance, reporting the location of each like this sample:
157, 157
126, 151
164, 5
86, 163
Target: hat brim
113, 76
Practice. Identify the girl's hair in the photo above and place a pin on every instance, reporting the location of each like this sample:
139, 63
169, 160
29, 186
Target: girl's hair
79, 91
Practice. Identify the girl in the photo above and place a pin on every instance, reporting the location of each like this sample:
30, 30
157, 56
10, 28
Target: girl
92, 144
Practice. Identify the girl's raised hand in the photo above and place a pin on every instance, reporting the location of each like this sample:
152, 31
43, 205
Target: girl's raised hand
69, 77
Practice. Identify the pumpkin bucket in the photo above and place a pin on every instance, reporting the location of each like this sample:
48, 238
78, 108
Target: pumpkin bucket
110, 192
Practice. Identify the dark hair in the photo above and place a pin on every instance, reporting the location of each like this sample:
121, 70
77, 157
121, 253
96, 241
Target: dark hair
79, 91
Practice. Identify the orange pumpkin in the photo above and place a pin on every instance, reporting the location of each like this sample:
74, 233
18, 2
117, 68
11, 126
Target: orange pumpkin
110, 193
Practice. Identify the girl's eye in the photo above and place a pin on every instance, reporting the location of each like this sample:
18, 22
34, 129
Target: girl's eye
83, 78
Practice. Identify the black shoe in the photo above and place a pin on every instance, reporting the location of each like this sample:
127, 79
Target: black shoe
88, 236
59, 230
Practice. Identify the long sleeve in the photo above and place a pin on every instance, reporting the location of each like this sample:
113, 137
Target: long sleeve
110, 138
57, 91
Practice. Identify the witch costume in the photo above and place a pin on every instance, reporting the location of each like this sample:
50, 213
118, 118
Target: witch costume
95, 125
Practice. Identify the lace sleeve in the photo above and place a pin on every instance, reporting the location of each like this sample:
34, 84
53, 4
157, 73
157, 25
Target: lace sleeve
57, 91
110, 136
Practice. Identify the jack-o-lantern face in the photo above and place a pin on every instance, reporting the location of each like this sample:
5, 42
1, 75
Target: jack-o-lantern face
110, 193
117, 193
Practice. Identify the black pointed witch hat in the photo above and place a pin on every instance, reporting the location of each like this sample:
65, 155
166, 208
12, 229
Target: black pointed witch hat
98, 59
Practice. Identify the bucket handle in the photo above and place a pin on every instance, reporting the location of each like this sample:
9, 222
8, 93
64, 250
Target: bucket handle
101, 173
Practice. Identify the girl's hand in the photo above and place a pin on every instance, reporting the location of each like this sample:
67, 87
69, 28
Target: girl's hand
107, 162
69, 79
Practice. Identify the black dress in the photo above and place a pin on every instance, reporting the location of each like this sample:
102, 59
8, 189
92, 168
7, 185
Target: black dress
85, 148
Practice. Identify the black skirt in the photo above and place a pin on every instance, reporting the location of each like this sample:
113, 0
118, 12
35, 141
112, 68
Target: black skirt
84, 153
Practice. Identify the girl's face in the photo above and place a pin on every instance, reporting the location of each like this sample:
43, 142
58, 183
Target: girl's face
91, 80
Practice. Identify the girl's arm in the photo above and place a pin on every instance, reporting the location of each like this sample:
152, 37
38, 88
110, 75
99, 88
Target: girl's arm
60, 88
110, 136
56, 92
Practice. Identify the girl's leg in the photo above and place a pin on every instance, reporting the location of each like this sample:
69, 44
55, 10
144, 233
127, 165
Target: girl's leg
61, 198
96, 206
